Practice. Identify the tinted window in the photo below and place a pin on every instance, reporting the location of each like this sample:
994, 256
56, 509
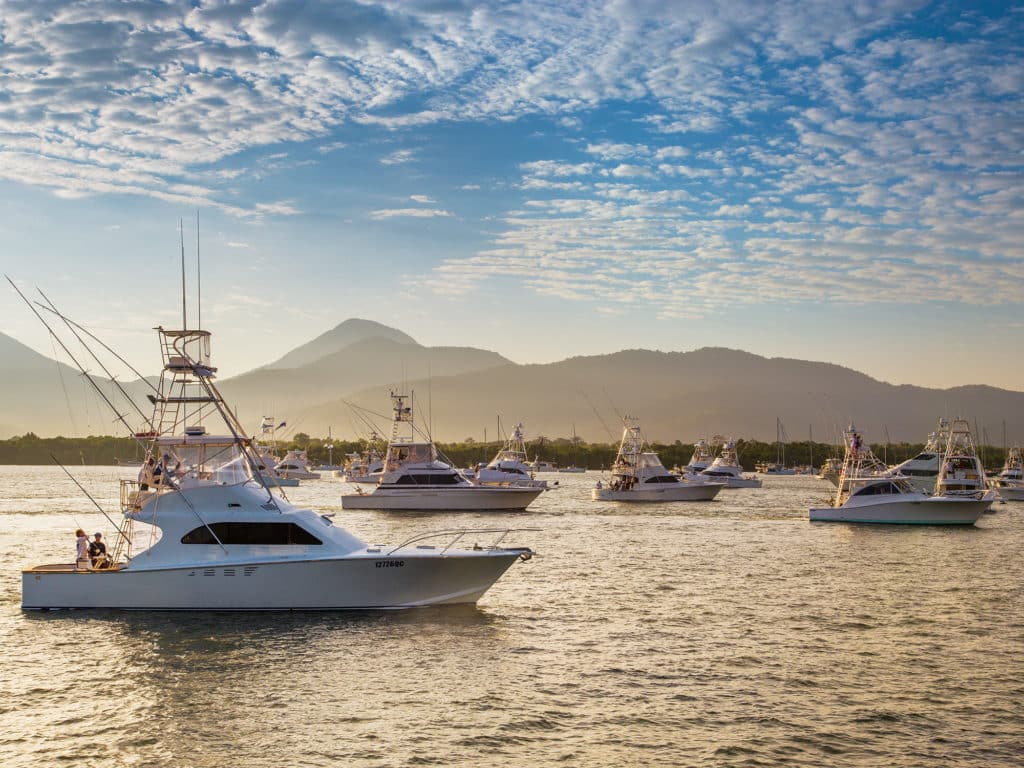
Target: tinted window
448, 479
924, 457
878, 489
251, 533
662, 479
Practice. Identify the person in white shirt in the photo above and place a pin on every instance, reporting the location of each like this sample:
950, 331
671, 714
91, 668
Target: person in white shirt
82, 561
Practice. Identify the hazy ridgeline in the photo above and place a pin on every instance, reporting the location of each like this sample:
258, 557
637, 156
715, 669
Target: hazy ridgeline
105, 450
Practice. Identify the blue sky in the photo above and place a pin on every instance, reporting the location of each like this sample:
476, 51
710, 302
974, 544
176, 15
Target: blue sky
820, 180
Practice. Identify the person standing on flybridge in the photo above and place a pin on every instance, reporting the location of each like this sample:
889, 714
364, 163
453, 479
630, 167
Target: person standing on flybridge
82, 561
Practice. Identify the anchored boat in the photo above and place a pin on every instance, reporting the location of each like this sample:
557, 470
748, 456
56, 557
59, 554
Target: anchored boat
219, 539
639, 475
415, 477
864, 496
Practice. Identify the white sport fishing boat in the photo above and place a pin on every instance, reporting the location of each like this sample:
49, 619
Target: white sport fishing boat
639, 475
703, 456
220, 540
923, 469
863, 496
726, 467
366, 466
415, 478
1009, 483
510, 466
961, 472
295, 464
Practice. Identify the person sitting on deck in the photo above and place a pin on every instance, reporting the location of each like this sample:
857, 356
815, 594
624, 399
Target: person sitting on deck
81, 550
147, 475
98, 551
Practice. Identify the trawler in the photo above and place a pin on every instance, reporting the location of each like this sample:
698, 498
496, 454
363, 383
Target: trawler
865, 496
1009, 483
218, 538
639, 475
415, 477
726, 467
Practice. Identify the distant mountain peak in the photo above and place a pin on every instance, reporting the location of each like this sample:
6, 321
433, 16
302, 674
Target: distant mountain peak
346, 333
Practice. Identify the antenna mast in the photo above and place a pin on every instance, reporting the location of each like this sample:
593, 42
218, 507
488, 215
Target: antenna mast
181, 238
199, 278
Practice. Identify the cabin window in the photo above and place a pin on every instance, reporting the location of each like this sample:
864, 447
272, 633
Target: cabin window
924, 457
438, 479
878, 489
260, 534
662, 479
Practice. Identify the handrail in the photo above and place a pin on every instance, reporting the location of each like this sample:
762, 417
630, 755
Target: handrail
458, 534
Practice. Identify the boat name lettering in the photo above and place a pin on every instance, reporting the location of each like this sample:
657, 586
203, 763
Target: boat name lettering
390, 563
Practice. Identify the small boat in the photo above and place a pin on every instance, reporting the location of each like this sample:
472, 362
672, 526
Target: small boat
226, 542
703, 456
542, 466
863, 496
510, 465
726, 467
415, 477
365, 467
830, 469
295, 465
961, 472
638, 475
1009, 483
779, 466
923, 469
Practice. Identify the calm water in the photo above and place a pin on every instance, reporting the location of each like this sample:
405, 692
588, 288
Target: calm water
730, 633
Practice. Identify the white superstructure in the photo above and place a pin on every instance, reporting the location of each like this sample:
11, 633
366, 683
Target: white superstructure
1009, 483
639, 475
510, 466
922, 470
726, 467
961, 472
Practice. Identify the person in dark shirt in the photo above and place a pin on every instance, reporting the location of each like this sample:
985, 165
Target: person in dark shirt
98, 551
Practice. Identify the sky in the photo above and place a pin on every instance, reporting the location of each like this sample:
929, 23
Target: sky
818, 180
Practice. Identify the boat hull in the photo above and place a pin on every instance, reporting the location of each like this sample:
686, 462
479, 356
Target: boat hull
923, 512
464, 499
359, 583
664, 493
1011, 493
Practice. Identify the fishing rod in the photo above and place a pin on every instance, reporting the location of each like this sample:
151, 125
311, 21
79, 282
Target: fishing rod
103, 512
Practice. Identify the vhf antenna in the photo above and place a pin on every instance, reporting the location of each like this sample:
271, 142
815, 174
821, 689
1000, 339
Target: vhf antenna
181, 237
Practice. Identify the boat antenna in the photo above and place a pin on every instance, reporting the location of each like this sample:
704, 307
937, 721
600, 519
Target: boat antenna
103, 512
181, 238
199, 278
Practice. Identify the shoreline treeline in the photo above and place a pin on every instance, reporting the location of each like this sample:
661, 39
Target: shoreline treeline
106, 450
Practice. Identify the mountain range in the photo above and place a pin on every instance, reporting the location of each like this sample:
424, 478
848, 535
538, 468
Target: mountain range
461, 391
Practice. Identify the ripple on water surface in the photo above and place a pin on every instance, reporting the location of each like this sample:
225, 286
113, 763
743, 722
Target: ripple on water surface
727, 633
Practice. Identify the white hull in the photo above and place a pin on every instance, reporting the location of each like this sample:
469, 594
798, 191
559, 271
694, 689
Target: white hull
405, 579
666, 492
457, 499
935, 511
281, 482
740, 482
1007, 493
359, 479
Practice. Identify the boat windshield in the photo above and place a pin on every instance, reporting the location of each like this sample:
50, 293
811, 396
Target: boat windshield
410, 453
203, 458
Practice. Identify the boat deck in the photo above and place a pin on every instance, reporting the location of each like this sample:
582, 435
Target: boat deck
71, 568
